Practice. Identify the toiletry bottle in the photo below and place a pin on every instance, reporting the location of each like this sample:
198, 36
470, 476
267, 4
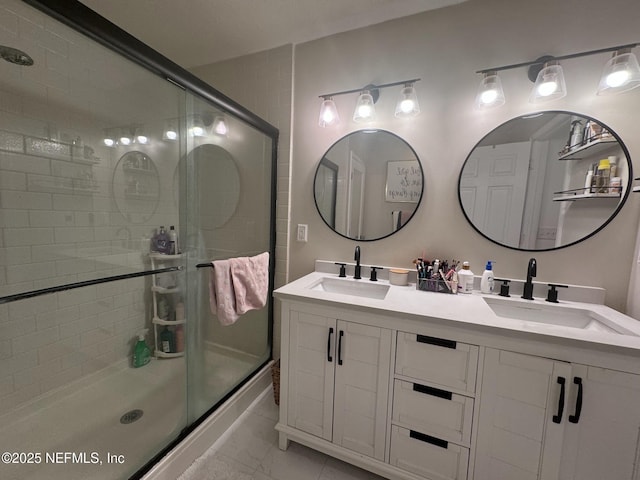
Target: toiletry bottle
465, 279
486, 282
613, 166
604, 173
588, 181
173, 241
162, 241
167, 341
141, 352
179, 338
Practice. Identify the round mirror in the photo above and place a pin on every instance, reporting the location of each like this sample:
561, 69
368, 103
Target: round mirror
368, 185
136, 187
218, 181
545, 181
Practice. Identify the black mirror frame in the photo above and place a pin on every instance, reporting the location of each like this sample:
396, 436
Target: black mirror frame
621, 203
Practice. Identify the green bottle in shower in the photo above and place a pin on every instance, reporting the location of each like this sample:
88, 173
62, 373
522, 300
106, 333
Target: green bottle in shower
141, 352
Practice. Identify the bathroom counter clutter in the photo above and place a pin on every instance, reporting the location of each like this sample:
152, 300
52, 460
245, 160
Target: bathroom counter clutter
419, 385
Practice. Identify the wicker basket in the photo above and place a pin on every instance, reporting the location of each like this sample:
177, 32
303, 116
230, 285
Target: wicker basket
275, 375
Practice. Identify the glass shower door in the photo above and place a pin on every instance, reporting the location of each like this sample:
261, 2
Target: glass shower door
228, 185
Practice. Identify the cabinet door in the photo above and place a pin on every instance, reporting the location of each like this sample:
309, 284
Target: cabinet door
518, 436
311, 373
363, 356
604, 443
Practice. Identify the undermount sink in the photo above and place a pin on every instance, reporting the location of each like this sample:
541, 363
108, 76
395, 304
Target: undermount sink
553, 315
359, 288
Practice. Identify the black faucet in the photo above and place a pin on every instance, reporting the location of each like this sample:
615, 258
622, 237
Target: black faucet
527, 292
356, 273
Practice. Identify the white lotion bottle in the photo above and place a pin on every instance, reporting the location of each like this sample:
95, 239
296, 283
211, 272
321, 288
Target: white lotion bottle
487, 280
465, 279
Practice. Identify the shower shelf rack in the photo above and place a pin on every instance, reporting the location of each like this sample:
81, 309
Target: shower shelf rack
157, 289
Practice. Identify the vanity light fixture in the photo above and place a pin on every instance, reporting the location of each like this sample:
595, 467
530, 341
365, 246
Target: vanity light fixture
140, 137
170, 133
328, 113
109, 139
365, 111
125, 138
550, 84
407, 105
220, 126
621, 74
490, 93
197, 128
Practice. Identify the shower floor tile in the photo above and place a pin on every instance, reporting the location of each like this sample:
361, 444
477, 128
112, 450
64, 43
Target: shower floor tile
249, 451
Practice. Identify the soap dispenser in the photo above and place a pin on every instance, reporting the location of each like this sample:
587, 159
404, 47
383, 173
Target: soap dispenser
487, 280
141, 352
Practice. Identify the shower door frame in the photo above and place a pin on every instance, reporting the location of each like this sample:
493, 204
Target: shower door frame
87, 22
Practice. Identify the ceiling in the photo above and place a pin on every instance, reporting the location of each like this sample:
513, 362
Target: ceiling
199, 32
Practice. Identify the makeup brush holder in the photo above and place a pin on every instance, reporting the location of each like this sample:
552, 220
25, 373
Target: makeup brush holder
434, 285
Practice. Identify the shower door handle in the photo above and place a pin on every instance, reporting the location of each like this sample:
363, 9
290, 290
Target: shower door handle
329, 357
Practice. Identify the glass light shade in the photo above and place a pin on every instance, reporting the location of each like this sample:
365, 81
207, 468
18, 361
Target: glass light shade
550, 84
197, 128
407, 105
365, 110
328, 113
125, 139
490, 93
170, 132
220, 126
620, 74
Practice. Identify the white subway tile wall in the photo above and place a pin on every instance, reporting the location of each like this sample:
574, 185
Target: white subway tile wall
59, 222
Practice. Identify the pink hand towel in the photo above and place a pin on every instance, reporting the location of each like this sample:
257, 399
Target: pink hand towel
238, 285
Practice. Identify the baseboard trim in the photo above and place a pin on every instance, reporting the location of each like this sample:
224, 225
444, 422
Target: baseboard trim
197, 442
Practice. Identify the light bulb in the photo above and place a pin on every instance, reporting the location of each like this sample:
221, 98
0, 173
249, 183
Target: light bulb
490, 93
142, 139
547, 87
617, 79
365, 111
171, 134
109, 142
220, 126
124, 140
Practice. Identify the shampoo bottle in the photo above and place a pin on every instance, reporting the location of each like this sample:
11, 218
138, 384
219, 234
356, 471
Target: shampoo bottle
173, 241
486, 282
465, 279
141, 352
167, 341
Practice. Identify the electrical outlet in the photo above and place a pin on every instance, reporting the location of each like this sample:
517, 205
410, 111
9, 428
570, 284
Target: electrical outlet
302, 232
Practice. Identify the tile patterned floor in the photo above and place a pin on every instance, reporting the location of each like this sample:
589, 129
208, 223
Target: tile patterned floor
249, 451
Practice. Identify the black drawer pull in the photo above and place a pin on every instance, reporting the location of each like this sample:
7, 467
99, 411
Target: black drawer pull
575, 418
329, 357
340, 335
439, 342
558, 418
428, 439
436, 392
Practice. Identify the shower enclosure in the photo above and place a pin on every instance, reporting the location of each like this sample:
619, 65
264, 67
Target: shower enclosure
102, 141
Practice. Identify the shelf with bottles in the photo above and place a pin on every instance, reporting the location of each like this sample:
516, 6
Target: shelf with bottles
591, 148
586, 193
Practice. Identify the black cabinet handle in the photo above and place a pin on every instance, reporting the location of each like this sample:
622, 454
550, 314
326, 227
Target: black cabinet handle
440, 342
329, 357
428, 439
576, 417
558, 418
435, 392
340, 347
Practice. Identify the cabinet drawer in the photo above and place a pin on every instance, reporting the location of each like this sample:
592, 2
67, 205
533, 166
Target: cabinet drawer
440, 361
437, 412
427, 456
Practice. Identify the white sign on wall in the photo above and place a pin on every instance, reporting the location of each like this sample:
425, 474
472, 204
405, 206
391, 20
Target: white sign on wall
404, 181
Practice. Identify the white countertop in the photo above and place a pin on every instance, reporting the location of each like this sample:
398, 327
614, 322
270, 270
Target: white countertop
465, 309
